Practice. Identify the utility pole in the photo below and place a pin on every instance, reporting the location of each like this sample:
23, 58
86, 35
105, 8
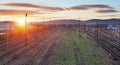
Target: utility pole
97, 32
26, 30
7, 34
43, 26
79, 28
119, 33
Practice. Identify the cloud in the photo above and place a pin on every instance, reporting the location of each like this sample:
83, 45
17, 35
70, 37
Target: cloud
97, 6
28, 5
78, 8
108, 16
55, 9
106, 11
16, 12
86, 7
20, 5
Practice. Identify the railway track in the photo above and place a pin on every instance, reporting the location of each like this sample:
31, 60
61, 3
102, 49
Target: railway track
110, 45
20, 53
38, 55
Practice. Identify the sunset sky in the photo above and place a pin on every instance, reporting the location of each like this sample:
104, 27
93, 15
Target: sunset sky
39, 10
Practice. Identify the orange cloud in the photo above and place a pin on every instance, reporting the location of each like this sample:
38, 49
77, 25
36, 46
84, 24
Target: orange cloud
16, 12
21, 5
28, 5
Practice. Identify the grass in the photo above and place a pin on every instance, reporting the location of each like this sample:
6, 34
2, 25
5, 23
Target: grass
1, 63
64, 53
88, 55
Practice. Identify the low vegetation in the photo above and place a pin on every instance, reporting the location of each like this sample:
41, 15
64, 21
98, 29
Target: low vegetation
74, 48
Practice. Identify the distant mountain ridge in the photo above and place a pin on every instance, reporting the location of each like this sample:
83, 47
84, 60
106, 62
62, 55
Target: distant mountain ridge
106, 21
72, 21
92, 21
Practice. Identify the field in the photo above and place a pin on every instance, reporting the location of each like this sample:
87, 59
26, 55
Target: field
53, 45
74, 49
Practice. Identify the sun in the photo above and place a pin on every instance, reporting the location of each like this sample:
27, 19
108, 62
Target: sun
21, 22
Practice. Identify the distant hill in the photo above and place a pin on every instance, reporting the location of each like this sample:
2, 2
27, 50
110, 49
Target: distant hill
106, 21
6, 22
92, 21
72, 21
64, 21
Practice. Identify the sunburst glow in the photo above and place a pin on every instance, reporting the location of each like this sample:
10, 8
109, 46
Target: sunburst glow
21, 22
